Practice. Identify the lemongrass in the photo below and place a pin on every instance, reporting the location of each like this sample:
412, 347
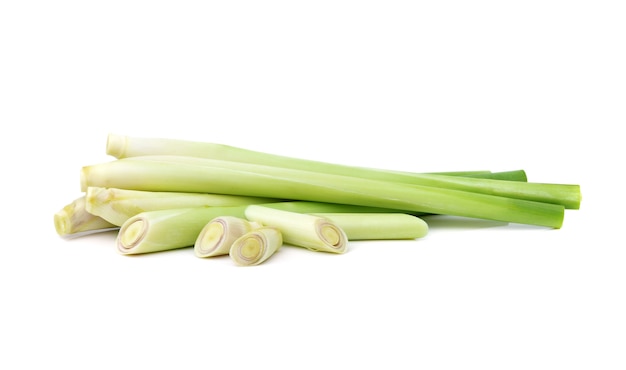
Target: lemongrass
219, 234
156, 231
256, 246
118, 205
186, 174
120, 146
301, 229
378, 226
74, 220
565, 194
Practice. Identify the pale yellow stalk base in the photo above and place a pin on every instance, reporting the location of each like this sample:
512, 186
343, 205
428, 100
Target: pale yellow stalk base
74, 220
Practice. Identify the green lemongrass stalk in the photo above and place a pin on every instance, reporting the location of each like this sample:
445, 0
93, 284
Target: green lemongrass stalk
256, 246
118, 205
186, 174
565, 194
120, 146
74, 220
219, 234
156, 231
378, 226
301, 229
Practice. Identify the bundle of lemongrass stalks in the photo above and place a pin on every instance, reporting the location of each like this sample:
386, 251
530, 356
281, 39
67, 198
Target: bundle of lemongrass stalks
164, 194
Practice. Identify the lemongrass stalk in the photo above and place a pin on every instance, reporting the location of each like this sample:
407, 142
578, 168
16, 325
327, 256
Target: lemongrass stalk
120, 146
73, 220
168, 229
118, 205
378, 226
256, 246
186, 174
301, 229
564, 194
219, 234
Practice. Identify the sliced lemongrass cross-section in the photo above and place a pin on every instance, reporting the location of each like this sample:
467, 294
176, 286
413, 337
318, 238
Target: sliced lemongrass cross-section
74, 220
256, 246
378, 226
219, 234
118, 205
300, 229
168, 229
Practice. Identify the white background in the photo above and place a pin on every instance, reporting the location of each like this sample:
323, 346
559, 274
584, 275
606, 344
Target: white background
416, 86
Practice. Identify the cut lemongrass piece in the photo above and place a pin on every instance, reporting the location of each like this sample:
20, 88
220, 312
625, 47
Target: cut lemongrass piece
187, 174
219, 234
256, 246
302, 230
74, 220
168, 229
378, 226
118, 205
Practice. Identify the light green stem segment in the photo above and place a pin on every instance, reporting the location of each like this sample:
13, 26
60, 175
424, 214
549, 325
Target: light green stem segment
378, 226
186, 174
219, 234
168, 229
120, 146
74, 220
256, 246
300, 229
118, 205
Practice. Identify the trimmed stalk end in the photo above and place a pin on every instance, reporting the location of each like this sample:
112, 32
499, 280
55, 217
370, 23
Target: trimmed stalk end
219, 234
83, 180
62, 223
116, 145
210, 238
256, 246
131, 234
333, 237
